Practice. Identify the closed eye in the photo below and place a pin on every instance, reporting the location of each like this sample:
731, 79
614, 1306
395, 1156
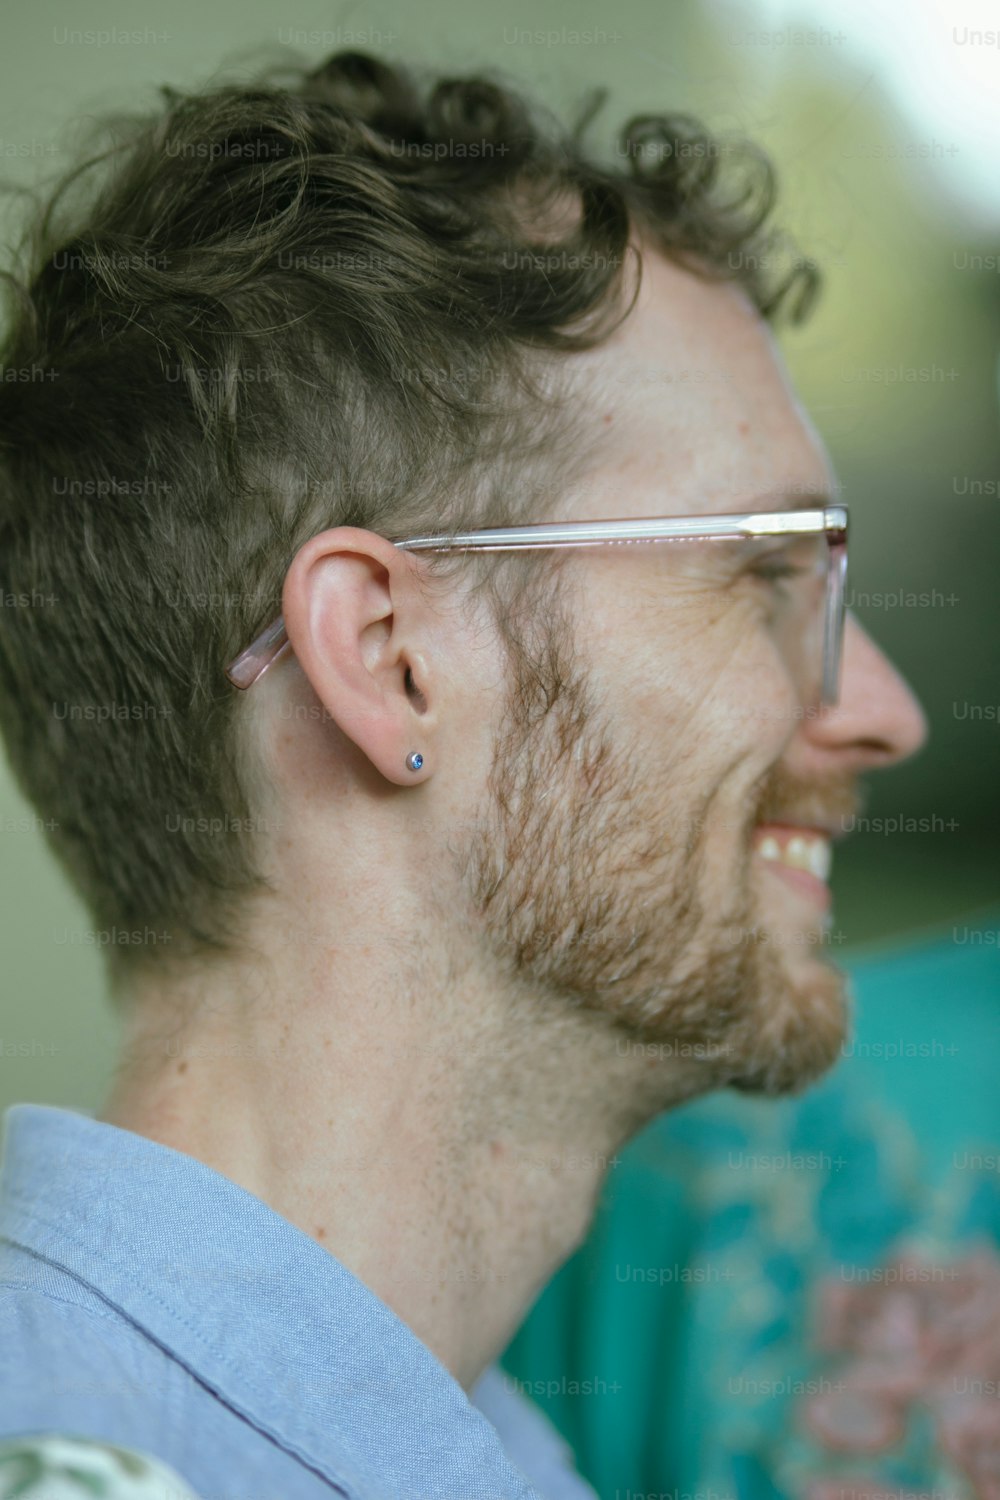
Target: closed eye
773, 569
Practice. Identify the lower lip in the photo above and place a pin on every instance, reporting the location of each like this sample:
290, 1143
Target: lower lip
802, 881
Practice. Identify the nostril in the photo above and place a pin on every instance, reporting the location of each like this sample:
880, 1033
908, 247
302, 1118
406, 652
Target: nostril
874, 753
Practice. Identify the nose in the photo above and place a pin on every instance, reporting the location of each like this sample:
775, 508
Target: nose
877, 721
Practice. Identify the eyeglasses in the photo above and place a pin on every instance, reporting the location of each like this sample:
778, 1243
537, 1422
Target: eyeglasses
822, 530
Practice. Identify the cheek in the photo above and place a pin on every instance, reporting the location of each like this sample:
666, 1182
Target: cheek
690, 664
717, 677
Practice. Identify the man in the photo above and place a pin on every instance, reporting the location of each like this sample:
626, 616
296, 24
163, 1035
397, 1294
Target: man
503, 854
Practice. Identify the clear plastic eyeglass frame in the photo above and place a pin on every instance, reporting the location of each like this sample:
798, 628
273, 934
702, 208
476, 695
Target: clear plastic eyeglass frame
832, 520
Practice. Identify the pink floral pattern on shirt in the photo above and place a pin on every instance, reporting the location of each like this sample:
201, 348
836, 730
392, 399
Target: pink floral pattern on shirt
915, 1334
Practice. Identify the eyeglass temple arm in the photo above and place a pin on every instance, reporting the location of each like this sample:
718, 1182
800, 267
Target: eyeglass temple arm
273, 642
259, 655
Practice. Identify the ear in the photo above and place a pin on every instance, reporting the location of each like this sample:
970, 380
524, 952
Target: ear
356, 616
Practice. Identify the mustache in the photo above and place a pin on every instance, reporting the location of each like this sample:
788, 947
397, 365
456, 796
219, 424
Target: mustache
828, 800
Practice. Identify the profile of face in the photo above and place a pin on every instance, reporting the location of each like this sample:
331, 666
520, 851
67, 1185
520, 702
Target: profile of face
655, 846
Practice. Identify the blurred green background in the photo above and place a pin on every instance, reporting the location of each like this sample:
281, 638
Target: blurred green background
885, 125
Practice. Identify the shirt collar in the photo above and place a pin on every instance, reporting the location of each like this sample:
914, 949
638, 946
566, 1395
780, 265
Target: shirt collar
258, 1311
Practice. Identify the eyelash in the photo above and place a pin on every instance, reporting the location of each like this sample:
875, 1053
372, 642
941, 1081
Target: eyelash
775, 570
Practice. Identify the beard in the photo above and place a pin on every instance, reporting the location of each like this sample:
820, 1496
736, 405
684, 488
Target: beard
608, 887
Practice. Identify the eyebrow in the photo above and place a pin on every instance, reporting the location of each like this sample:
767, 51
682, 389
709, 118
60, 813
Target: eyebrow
818, 499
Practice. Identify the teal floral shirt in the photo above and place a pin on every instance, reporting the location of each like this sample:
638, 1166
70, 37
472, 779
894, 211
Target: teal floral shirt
799, 1298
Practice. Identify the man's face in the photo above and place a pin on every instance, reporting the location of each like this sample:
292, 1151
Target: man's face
644, 845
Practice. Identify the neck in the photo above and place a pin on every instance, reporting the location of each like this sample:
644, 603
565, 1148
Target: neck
445, 1144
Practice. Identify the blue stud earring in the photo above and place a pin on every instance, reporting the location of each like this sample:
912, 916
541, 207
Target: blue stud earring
414, 760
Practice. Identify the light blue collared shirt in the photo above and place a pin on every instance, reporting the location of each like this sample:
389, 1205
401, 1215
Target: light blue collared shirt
148, 1301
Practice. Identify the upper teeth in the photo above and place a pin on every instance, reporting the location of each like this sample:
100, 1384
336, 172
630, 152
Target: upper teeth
802, 853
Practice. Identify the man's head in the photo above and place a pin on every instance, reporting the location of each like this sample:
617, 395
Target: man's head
298, 321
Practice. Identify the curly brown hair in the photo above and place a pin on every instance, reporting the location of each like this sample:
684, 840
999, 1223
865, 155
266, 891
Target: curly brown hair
326, 298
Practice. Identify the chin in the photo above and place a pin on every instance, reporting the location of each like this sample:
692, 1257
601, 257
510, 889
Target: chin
801, 1027
799, 1014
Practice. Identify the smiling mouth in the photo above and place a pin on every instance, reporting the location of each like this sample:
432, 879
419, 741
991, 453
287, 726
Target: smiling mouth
800, 857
